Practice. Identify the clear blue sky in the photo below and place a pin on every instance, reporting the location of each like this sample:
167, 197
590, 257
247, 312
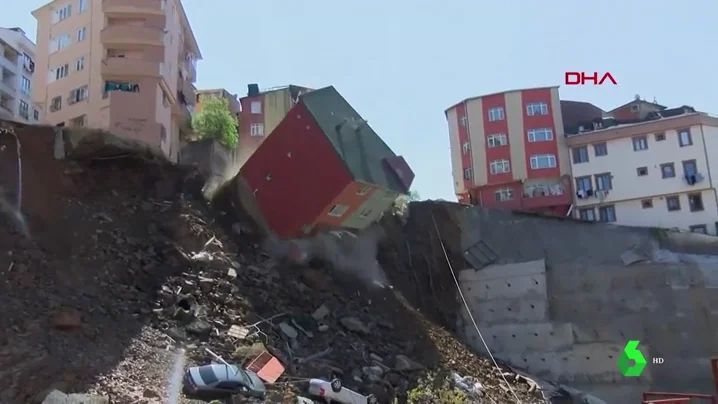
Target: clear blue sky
401, 63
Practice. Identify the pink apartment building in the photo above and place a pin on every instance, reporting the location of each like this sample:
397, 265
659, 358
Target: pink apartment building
123, 65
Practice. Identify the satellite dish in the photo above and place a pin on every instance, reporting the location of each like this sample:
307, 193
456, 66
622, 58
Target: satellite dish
637, 97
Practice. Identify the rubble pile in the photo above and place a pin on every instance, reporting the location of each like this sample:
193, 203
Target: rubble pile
129, 271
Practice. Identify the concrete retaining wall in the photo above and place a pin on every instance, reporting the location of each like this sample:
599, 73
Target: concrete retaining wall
561, 304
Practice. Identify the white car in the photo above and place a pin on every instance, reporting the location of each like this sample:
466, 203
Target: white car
333, 392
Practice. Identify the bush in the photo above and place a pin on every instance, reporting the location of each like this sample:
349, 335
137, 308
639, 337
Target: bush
215, 121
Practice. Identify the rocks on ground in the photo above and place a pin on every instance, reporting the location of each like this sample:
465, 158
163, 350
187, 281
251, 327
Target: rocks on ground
126, 282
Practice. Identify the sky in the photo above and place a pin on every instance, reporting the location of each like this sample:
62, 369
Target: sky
401, 63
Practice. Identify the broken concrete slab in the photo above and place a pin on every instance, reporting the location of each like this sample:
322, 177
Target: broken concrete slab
58, 397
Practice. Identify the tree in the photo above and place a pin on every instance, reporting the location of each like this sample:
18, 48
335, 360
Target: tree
215, 121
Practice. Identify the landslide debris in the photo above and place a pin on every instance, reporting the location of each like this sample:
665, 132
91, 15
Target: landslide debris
127, 262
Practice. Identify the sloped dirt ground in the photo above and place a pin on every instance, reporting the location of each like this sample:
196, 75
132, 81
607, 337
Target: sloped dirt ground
108, 286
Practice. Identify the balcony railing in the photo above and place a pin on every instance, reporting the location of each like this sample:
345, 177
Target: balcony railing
123, 67
136, 7
542, 195
122, 34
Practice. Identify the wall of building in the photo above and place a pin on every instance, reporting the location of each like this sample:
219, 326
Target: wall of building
560, 303
24, 48
469, 129
283, 175
629, 189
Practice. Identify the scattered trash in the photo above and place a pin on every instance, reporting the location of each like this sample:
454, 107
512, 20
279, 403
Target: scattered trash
468, 385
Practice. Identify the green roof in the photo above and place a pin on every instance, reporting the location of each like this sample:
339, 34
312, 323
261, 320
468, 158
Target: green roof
356, 143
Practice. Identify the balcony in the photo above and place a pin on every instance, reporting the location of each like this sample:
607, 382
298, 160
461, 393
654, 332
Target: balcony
181, 109
125, 67
133, 8
539, 196
125, 34
187, 89
7, 84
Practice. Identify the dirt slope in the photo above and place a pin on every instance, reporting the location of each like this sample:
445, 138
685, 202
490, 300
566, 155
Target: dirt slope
111, 282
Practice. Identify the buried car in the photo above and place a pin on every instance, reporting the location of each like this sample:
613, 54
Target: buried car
216, 380
334, 392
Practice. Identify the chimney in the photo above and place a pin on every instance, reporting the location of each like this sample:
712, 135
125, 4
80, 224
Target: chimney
252, 89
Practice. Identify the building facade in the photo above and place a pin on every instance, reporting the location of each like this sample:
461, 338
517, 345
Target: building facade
123, 65
508, 151
656, 173
17, 65
323, 167
261, 112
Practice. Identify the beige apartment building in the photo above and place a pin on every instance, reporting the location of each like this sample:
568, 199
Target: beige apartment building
124, 65
656, 173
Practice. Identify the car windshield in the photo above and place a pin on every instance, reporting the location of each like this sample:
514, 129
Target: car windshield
207, 375
243, 378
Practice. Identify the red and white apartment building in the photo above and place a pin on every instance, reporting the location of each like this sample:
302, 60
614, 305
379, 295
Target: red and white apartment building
508, 151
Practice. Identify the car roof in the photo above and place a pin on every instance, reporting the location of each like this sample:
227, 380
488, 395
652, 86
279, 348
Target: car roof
226, 372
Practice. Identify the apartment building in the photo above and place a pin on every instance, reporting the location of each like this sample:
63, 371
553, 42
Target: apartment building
508, 151
658, 172
17, 65
261, 112
124, 65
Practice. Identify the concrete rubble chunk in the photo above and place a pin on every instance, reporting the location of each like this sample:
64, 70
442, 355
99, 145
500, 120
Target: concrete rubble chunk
630, 257
404, 364
288, 330
354, 324
58, 397
321, 312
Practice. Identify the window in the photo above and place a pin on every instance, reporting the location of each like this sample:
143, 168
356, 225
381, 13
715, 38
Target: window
468, 173
83, 5
59, 73
684, 138
25, 85
81, 34
668, 170
580, 154
463, 121
660, 136
673, 203
77, 95
24, 110
690, 168
587, 214
496, 114
642, 171
364, 190
497, 139
256, 129
35, 114
600, 149
80, 63
640, 143
540, 135
56, 104
499, 167
543, 161
206, 373
635, 107
365, 213
59, 43
538, 108
504, 194
647, 203
62, 13
603, 181
256, 107
79, 121
607, 214
466, 147
695, 202
699, 228
338, 210
584, 183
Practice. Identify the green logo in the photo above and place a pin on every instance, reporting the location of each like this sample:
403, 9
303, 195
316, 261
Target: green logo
631, 352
